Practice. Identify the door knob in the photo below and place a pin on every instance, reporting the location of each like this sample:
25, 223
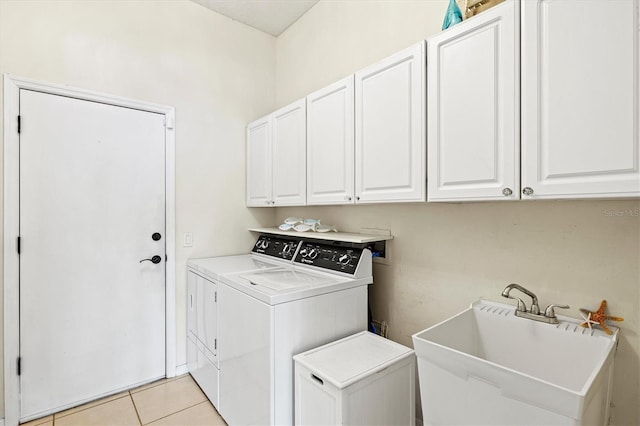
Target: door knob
156, 236
155, 259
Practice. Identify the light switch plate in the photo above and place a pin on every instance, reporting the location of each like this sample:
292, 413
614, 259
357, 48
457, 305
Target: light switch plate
187, 240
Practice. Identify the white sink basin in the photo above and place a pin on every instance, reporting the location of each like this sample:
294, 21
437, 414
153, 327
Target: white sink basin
487, 366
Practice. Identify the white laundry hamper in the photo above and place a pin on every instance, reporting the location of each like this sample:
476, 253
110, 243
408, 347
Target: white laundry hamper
362, 379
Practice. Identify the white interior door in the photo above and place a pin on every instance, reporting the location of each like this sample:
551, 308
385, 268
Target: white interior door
92, 194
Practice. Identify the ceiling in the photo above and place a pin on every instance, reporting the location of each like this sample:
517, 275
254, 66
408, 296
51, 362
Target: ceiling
270, 16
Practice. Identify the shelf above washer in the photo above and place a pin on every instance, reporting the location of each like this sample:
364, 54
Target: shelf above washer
332, 236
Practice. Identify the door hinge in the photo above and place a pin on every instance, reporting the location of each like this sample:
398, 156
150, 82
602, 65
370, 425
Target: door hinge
166, 258
19, 361
215, 344
19, 126
18, 245
215, 297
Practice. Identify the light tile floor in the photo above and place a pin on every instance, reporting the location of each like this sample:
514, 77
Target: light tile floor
175, 401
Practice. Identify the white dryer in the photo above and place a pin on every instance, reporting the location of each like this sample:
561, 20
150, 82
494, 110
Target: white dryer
267, 316
203, 280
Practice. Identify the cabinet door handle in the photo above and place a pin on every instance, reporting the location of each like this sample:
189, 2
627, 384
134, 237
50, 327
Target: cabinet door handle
527, 190
347, 198
507, 192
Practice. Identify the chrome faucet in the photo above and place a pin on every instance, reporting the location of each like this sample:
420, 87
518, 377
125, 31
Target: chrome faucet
535, 308
549, 315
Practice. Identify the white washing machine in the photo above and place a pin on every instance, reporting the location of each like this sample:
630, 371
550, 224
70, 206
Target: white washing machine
267, 316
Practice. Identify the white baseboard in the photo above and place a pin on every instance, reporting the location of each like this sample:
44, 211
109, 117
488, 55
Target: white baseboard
180, 370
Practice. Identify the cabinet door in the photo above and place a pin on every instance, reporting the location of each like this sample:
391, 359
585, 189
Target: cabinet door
330, 144
580, 95
259, 163
390, 128
192, 280
207, 316
289, 155
473, 78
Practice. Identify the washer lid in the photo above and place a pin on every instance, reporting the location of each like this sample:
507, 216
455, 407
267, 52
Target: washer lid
287, 284
285, 279
214, 267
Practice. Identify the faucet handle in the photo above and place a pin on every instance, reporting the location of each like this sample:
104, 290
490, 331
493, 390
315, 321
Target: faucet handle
551, 313
521, 306
535, 309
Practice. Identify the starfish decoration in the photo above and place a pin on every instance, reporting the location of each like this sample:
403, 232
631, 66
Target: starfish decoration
587, 318
598, 317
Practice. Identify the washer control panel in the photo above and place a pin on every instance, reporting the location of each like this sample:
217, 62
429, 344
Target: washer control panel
274, 246
327, 256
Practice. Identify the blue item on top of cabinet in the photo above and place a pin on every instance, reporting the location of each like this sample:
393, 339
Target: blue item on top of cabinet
452, 16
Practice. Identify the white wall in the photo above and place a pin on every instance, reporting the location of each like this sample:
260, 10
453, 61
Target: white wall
445, 256
217, 73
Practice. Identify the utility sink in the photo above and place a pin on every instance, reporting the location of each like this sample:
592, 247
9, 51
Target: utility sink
487, 366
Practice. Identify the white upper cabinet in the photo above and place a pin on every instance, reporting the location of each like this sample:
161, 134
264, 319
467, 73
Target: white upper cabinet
473, 81
276, 158
289, 155
330, 144
259, 163
390, 120
580, 99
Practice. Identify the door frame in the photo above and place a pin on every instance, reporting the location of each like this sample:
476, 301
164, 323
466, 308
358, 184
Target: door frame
12, 86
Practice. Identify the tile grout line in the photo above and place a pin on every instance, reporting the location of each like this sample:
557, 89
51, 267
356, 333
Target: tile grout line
173, 379
179, 411
156, 384
79, 409
135, 408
